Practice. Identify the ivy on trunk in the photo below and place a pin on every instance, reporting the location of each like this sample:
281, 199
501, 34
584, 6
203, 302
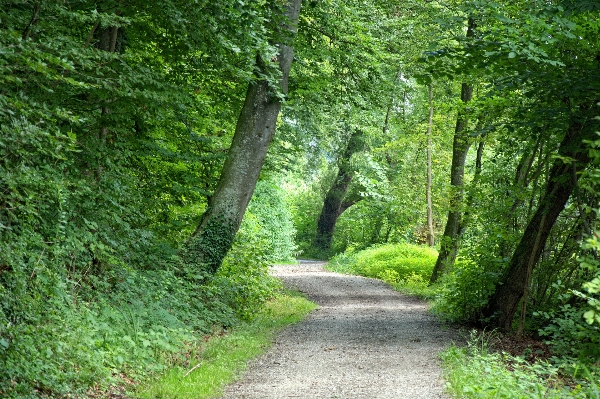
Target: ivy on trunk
254, 131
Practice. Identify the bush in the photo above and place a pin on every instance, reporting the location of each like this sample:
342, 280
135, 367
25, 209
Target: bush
243, 279
464, 292
405, 266
403, 259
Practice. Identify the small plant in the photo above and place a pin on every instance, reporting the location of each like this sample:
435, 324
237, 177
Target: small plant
212, 364
475, 372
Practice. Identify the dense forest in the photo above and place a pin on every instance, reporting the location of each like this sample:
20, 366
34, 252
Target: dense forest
157, 156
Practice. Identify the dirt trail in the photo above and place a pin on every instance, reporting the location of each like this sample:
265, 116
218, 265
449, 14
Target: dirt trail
365, 341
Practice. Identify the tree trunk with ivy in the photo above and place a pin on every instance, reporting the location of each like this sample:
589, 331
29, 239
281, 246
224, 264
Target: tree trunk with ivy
254, 131
336, 201
511, 289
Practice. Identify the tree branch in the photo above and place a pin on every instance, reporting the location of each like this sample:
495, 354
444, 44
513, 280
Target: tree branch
34, 18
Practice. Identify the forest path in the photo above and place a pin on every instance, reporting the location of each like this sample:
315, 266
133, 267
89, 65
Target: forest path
364, 341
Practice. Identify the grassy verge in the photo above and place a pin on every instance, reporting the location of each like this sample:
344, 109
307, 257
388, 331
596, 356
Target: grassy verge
473, 372
213, 364
405, 267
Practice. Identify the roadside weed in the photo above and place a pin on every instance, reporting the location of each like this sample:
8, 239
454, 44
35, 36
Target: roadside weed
218, 361
473, 372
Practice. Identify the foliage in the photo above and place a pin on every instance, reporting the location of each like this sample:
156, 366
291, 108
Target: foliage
404, 266
106, 162
474, 372
108, 158
209, 366
305, 203
243, 278
270, 206
573, 329
132, 321
464, 292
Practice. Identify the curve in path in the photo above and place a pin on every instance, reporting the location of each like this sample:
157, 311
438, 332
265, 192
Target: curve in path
365, 341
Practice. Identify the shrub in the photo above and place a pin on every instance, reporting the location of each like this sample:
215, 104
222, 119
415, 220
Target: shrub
407, 267
404, 259
463, 292
574, 329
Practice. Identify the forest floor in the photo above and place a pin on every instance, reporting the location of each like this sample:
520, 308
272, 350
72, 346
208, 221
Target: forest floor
364, 341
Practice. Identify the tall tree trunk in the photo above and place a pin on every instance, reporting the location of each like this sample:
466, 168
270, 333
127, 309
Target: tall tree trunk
335, 200
503, 304
253, 133
430, 234
460, 148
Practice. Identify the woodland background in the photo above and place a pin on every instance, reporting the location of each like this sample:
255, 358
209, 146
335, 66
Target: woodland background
470, 126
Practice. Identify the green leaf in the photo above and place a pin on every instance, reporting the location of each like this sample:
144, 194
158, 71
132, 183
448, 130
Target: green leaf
589, 316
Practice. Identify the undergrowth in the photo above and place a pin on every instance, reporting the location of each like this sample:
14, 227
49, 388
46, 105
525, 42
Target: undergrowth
77, 333
475, 372
406, 267
210, 365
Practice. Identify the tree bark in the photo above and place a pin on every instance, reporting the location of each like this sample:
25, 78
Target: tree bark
430, 234
106, 40
335, 201
254, 131
460, 148
503, 304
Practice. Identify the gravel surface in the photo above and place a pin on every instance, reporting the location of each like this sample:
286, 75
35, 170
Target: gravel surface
365, 341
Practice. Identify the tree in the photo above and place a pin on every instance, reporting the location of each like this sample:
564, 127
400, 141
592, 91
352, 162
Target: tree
518, 246
254, 131
460, 148
572, 158
336, 201
430, 233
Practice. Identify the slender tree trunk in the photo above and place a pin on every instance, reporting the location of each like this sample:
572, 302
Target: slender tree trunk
106, 40
254, 131
510, 290
335, 200
430, 234
34, 19
521, 182
376, 236
388, 113
460, 148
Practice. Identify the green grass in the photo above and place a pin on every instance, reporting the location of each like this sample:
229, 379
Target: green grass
406, 267
221, 359
471, 372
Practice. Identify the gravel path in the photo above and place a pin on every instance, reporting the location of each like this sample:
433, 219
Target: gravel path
365, 341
